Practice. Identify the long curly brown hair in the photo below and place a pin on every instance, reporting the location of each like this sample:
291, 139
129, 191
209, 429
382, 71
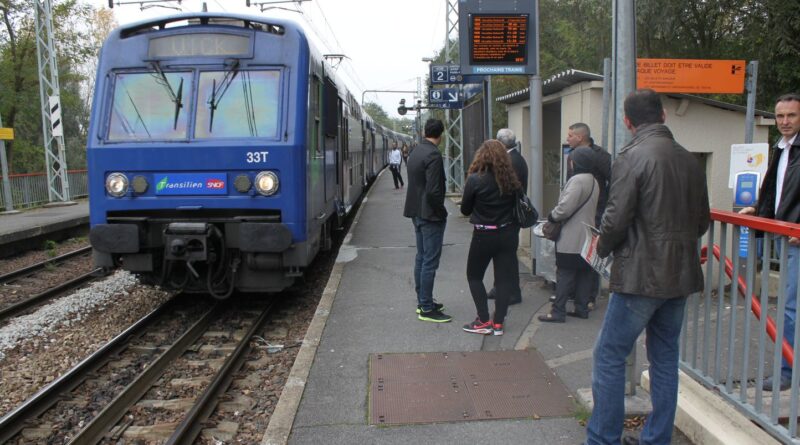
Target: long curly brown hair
493, 157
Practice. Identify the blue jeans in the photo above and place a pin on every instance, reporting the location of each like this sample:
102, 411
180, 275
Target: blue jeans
790, 312
627, 315
430, 235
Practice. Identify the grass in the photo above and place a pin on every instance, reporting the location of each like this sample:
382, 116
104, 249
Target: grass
50, 248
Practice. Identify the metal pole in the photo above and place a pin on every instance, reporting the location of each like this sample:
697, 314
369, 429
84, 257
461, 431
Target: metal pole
624, 82
488, 96
6, 181
624, 66
606, 99
536, 157
752, 78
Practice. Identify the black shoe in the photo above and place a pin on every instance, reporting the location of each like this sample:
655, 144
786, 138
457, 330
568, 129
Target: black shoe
577, 314
479, 327
786, 383
434, 316
550, 318
516, 301
436, 306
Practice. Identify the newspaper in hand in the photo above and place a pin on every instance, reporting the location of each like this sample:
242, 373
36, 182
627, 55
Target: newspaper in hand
589, 253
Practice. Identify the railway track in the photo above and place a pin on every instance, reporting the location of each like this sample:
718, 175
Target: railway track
178, 381
42, 265
26, 291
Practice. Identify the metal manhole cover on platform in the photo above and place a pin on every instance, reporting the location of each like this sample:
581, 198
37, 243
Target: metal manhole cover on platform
452, 386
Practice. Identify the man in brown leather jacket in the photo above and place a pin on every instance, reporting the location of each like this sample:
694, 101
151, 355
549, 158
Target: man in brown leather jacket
657, 210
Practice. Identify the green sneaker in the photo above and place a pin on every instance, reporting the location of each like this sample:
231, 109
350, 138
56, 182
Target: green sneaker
436, 306
434, 316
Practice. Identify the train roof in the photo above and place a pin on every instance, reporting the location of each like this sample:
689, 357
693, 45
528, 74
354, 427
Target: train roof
266, 24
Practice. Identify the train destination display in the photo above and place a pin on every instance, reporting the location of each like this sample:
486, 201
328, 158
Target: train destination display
499, 39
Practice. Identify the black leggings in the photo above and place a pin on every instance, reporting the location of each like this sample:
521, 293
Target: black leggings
500, 247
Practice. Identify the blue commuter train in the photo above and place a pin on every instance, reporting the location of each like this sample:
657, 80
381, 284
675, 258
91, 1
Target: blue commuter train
222, 151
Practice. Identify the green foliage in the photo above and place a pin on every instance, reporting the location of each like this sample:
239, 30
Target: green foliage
380, 116
19, 78
50, 248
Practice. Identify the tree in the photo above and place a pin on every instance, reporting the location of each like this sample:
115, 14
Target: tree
20, 104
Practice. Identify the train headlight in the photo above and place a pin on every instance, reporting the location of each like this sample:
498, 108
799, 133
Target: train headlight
242, 183
117, 184
140, 184
267, 183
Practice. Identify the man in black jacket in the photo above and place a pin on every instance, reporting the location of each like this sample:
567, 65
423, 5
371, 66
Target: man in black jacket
657, 210
509, 139
778, 199
425, 206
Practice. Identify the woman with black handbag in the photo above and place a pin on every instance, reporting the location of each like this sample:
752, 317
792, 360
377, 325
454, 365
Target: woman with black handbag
489, 199
576, 206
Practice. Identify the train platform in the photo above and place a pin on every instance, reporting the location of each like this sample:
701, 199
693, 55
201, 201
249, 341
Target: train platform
344, 392
36, 225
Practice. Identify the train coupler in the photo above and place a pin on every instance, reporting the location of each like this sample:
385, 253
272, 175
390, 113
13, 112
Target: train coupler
187, 241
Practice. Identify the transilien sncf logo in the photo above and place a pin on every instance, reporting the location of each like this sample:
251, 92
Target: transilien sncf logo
162, 184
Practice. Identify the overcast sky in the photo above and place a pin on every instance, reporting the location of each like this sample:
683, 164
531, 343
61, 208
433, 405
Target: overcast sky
385, 40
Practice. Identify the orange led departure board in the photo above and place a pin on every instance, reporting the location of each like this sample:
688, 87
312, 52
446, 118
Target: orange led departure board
499, 39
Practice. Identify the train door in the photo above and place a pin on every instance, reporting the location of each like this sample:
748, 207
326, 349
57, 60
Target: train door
343, 166
330, 127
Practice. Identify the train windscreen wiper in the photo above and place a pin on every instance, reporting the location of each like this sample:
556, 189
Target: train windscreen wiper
176, 99
216, 94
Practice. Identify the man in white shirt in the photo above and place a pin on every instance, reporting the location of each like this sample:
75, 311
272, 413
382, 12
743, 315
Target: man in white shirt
395, 158
778, 199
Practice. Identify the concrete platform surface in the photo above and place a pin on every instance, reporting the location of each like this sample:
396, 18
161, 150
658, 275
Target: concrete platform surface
369, 308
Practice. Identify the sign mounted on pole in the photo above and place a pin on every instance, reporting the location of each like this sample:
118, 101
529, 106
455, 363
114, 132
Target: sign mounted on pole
55, 116
6, 134
691, 76
449, 98
497, 37
445, 74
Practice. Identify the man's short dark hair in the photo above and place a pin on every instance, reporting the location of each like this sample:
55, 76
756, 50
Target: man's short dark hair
644, 107
789, 97
583, 128
433, 128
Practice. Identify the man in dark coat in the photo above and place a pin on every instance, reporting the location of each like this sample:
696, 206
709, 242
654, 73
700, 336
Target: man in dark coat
509, 139
425, 206
657, 210
778, 199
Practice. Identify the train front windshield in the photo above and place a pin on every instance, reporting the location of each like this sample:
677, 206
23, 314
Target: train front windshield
156, 106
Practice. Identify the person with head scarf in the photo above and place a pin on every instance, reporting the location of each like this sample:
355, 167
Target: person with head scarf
574, 211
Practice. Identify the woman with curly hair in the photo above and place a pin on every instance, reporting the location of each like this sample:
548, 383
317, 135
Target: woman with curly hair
488, 199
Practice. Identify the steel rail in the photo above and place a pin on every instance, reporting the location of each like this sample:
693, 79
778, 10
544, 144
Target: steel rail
191, 425
41, 265
96, 429
17, 308
14, 421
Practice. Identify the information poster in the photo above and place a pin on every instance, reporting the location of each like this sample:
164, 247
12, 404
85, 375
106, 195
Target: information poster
748, 158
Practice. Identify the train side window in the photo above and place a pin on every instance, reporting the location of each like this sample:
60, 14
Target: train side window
330, 101
315, 105
245, 104
149, 107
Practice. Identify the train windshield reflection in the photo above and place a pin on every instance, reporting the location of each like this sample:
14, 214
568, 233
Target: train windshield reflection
245, 104
143, 108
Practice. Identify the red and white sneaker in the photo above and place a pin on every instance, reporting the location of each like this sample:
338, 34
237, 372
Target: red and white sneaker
479, 327
497, 328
